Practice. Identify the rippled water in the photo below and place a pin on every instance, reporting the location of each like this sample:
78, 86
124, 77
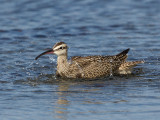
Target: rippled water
29, 89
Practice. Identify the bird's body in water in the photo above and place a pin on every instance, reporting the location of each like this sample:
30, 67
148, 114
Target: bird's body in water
90, 66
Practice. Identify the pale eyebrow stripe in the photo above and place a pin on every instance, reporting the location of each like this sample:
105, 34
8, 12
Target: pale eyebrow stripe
60, 47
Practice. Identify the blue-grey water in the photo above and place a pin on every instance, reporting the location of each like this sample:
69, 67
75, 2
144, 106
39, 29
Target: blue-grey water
29, 89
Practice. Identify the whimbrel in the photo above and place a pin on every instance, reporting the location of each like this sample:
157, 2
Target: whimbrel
89, 66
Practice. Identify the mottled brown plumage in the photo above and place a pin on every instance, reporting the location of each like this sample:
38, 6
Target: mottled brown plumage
90, 66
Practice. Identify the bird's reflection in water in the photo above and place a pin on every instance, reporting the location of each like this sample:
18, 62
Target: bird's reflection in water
65, 95
62, 103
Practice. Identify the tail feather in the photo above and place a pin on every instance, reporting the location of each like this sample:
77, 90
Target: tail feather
126, 67
131, 63
123, 55
123, 52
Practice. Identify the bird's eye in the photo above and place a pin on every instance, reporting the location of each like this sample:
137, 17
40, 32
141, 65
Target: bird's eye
61, 48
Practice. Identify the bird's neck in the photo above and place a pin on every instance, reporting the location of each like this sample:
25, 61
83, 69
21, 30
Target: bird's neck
62, 63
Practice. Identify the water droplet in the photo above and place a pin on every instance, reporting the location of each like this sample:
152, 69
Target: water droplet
52, 58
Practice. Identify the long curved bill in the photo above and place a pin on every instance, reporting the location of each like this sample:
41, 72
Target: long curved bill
50, 51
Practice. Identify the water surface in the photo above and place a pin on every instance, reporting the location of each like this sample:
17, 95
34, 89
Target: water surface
29, 89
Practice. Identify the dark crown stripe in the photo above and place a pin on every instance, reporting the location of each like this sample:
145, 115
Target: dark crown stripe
59, 43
